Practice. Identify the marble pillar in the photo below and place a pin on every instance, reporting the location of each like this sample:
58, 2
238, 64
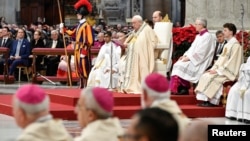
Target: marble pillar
149, 6
114, 11
9, 9
167, 8
218, 12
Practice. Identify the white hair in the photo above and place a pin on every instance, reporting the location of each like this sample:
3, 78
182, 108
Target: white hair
91, 104
55, 32
33, 108
203, 21
138, 18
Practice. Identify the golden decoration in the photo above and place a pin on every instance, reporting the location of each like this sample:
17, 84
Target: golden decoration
91, 20
166, 19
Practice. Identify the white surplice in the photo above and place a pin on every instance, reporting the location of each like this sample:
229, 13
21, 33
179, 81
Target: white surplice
238, 104
99, 75
200, 54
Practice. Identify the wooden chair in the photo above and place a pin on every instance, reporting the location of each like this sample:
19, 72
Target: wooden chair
26, 69
226, 87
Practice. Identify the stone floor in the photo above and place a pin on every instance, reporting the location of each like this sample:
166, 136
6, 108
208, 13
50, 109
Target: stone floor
9, 130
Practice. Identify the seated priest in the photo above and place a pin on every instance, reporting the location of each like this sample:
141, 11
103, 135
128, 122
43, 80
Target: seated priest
194, 61
105, 70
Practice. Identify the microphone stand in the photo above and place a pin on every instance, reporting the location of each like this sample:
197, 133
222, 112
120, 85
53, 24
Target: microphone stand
242, 40
111, 66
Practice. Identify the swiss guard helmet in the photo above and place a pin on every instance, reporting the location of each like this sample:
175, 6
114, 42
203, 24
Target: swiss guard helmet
83, 7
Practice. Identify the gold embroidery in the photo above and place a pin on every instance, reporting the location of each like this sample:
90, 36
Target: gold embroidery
224, 52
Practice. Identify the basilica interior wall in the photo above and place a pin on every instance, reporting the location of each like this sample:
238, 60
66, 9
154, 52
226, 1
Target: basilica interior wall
218, 12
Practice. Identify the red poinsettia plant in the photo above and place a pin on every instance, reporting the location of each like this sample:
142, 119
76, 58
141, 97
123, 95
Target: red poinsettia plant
182, 39
244, 38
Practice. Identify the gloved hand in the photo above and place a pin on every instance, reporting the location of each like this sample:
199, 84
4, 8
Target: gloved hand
82, 56
61, 25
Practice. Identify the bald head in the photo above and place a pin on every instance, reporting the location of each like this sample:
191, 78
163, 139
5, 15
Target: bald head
137, 21
157, 16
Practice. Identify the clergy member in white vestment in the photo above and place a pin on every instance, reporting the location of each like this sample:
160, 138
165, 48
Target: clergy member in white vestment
156, 93
139, 61
238, 104
100, 74
31, 112
194, 61
94, 113
226, 68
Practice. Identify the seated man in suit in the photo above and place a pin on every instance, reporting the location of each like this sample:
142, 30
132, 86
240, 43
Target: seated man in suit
5, 41
20, 51
219, 44
51, 61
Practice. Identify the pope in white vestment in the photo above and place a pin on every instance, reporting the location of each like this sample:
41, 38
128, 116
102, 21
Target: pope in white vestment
100, 74
238, 105
139, 61
226, 67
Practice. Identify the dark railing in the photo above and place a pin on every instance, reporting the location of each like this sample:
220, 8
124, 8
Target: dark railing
5, 77
55, 51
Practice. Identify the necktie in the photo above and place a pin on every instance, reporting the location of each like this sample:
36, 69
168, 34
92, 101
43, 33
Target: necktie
219, 49
18, 47
3, 43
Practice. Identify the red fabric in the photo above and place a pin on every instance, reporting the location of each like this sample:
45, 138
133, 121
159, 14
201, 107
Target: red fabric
104, 98
161, 87
84, 52
31, 94
174, 84
176, 81
61, 73
81, 3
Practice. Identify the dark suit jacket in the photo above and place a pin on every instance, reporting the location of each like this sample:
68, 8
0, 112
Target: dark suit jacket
58, 45
7, 44
39, 44
217, 47
24, 50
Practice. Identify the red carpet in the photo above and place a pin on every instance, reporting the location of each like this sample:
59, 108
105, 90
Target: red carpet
64, 100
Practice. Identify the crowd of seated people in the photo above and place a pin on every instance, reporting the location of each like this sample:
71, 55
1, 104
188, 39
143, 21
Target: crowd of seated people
40, 35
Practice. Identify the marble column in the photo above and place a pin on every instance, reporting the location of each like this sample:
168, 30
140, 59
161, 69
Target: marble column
218, 12
167, 8
9, 9
149, 6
